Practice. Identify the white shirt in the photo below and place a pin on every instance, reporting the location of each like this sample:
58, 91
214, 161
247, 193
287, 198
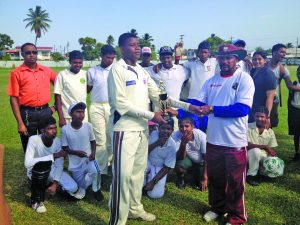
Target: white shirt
162, 156
194, 149
199, 73
173, 79
267, 137
71, 87
97, 77
37, 152
77, 140
225, 91
296, 100
129, 90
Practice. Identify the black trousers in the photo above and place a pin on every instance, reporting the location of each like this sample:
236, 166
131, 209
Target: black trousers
31, 118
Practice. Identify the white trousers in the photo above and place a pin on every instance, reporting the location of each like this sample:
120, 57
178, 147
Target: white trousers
66, 181
85, 176
130, 150
159, 189
255, 156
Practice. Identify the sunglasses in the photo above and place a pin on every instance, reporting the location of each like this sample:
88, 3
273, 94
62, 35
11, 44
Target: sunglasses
30, 52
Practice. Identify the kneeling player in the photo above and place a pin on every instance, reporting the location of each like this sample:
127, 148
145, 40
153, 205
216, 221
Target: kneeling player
44, 161
78, 141
161, 159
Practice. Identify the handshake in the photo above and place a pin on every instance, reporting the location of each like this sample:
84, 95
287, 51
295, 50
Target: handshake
198, 110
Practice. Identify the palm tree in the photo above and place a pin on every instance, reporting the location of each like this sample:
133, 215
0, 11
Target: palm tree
146, 40
38, 20
110, 40
134, 32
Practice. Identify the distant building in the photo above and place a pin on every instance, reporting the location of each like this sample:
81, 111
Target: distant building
44, 53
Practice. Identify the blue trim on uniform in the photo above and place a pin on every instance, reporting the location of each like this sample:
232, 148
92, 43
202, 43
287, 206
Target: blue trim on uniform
230, 111
97, 166
130, 82
199, 122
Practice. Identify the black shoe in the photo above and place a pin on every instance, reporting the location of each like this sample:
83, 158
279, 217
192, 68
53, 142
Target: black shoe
98, 195
296, 157
180, 183
252, 180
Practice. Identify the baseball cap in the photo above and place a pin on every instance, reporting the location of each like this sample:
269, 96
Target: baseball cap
231, 50
166, 50
73, 107
146, 50
239, 42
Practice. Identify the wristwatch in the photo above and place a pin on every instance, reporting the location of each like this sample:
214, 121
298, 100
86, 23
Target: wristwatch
211, 109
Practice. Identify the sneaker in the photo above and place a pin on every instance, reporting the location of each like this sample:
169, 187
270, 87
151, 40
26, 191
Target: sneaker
210, 216
145, 216
252, 180
39, 207
79, 194
98, 195
180, 183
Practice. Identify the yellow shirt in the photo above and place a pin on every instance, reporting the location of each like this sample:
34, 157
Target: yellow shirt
266, 138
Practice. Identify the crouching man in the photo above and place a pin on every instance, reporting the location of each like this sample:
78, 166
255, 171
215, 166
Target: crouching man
191, 150
44, 161
161, 159
261, 144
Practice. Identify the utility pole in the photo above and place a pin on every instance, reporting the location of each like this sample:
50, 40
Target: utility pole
181, 38
231, 38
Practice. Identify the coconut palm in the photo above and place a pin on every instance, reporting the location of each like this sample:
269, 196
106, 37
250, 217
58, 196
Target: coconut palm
134, 32
110, 40
38, 20
146, 40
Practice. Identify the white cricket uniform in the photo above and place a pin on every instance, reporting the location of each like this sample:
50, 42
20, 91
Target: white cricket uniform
225, 91
37, 152
83, 170
199, 73
99, 116
255, 156
159, 158
194, 149
72, 89
129, 90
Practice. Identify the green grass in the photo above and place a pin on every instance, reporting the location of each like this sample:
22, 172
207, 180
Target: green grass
276, 202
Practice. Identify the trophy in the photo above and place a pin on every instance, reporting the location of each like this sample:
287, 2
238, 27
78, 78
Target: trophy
163, 100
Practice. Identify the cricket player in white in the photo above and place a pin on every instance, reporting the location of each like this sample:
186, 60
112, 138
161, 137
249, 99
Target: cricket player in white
161, 159
47, 147
70, 87
129, 90
100, 110
78, 141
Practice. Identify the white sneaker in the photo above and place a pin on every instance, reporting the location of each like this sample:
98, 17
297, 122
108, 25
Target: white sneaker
143, 216
39, 207
79, 194
210, 216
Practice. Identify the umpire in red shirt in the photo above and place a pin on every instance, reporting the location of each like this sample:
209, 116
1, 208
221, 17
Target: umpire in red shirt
29, 91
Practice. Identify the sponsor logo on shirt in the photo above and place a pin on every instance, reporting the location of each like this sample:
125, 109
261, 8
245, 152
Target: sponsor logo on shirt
215, 85
82, 80
130, 82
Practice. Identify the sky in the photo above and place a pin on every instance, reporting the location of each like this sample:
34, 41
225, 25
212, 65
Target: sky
260, 23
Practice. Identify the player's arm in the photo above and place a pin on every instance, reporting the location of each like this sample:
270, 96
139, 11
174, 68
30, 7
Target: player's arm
58, 105
14, 102
289, 84
181, 153
89, 88
150, 185
204, 175
93, 150
89, 85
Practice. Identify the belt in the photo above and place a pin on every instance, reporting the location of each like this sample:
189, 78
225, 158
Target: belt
37, 108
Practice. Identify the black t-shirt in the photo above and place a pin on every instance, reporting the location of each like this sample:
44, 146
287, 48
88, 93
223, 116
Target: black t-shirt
264, 80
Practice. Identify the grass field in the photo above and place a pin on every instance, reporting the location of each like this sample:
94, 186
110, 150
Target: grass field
275, 202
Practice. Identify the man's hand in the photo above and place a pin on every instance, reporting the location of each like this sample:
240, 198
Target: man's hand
81, 154
52, 188
62, 122
22, 129
157, 67
203, 183
158, 118
205, 109
270, 151
59, 154
171, 111
92, 156
149, 186
268, 124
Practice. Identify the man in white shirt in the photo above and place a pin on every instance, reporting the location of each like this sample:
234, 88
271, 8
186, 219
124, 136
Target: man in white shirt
161, 159
200, 71
129, 90
78, 141
146, 58
227, 98
191, 150
173, 76
70, 87
44, 161
246, 63
99, 109
261, 144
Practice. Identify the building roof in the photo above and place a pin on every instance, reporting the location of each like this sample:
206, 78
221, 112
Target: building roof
39, 48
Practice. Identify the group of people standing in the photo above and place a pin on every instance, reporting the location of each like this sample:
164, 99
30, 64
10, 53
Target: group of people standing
212, 136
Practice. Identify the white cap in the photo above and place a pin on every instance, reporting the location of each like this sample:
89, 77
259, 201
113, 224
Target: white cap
146, 50
78, 105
